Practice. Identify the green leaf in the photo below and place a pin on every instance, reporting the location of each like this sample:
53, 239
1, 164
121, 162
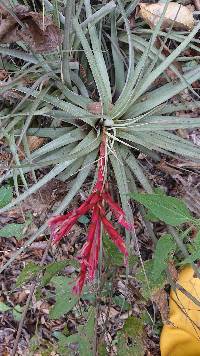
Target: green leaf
17, 312
148, 285
4, 307
62, 140
151, 217
195, 255
171, 210
52, 269
65, 300
65, 341
164, 247
121, 302
86, 334
115, 257
29, 271
102, 348
10, 230
84, 337
133, 327
6, 195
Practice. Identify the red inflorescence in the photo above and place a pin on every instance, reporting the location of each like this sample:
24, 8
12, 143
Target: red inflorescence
95, 203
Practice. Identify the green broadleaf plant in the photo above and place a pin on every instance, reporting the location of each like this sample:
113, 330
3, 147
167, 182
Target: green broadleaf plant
195, 254
171, 210
65, 300
30, 271
164, 250
6, 195
16, 230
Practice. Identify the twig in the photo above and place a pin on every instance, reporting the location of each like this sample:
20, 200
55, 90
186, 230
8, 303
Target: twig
19, 331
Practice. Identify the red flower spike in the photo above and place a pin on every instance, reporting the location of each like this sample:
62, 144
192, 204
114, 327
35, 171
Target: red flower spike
85, 251
117, 211
61, 225
89, 254
114, 235
94, 255
77, 289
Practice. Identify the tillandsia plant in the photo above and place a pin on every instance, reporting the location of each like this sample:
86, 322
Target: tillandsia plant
115, 99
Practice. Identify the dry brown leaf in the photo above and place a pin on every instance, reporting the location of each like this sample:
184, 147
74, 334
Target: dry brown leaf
161, 300
3, 74
34, 142
172, 270
39, 32
176, 15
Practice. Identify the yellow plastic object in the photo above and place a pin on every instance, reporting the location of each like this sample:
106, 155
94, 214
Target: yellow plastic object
182, 336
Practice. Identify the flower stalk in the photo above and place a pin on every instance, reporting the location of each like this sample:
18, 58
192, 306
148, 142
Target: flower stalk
95, 204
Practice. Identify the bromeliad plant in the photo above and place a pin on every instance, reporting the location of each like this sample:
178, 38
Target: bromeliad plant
113, 104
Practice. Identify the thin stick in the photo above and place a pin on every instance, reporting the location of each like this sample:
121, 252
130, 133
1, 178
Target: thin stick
19, 331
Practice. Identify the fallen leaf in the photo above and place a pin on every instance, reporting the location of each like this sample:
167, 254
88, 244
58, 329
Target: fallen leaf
34, 142
36, 30
176, 15
172, 270
161, 300
3, 74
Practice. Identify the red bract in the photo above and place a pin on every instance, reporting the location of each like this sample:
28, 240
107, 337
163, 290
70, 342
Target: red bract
95, 203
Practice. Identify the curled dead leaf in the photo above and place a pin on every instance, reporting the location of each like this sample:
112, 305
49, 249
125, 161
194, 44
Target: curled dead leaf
176, 15
38, 31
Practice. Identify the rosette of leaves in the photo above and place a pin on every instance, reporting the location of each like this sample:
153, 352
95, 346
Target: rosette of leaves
99, 85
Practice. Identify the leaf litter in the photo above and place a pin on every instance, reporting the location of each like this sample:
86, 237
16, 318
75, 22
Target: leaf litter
35, 30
